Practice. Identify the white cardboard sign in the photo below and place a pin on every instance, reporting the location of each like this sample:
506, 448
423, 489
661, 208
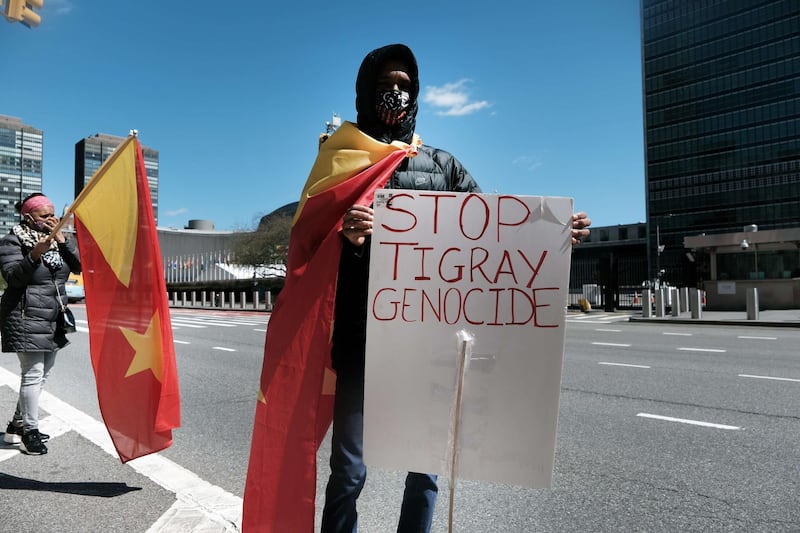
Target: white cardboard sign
495, 267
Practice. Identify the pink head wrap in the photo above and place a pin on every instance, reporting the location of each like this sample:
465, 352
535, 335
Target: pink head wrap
34, 203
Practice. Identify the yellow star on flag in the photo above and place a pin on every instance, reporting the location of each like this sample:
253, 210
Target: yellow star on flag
147, 347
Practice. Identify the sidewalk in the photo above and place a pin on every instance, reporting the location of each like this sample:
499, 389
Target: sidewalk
766, 318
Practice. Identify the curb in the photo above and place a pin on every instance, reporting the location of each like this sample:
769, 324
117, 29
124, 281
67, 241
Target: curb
735, 322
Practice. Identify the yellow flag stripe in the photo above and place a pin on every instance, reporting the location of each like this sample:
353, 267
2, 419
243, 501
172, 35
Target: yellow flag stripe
111, 212
346, 153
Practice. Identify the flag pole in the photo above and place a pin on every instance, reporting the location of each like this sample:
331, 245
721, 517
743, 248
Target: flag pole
464, 353
91, 185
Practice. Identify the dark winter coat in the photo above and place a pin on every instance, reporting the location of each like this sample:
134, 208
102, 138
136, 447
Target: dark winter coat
430, 170
30, 305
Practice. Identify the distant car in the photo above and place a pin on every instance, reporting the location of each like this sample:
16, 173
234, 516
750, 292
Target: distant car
75, 292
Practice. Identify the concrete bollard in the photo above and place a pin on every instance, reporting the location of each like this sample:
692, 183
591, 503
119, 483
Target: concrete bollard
268, 302
752, 303
647, 303
684, 299
194, 299
256, 302
676, 305
696, 303
243, 302
203, 298
660, 302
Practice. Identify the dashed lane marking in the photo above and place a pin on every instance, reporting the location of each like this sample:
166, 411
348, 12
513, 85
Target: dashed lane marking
687, 421
769, 377
622, 364
612, 344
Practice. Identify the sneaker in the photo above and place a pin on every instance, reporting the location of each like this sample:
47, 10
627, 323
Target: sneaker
13, 434
32, 443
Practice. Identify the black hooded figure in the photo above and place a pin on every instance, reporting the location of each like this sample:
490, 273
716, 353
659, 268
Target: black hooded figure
367, 94
430, 169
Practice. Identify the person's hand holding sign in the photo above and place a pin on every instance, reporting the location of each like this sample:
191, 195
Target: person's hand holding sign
357, 224
579, 224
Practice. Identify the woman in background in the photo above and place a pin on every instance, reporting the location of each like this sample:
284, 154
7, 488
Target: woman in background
35, 266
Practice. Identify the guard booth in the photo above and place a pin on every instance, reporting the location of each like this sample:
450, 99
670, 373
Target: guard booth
734, 263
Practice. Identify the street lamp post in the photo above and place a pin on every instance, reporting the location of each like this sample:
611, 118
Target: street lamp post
21, 155
659, 247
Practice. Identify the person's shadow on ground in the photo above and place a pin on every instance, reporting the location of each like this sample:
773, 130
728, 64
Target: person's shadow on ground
82, 488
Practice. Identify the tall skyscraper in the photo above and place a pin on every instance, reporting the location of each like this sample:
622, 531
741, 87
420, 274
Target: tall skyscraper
92, 151
20, 167
722, 121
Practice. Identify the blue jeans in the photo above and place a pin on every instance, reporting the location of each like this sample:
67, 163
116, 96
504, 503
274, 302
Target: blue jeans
34, 368
348, 472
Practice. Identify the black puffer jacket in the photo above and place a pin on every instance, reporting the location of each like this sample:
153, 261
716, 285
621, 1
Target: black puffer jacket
29, 307
431, 170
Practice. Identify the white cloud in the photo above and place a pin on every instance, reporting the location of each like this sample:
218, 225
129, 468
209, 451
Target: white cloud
61, 7
528, 162
176, 212
452, 99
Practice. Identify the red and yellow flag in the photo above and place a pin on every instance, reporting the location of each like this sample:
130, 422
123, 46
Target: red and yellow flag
130, 334
295, 400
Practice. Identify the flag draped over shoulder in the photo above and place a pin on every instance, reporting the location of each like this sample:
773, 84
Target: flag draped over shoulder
130, 334
295, 399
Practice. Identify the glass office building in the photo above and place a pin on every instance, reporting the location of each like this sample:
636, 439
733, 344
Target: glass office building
92, 151
722, 121
20, 167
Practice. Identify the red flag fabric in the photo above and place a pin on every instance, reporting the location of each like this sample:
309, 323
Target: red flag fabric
295, 401
130, 334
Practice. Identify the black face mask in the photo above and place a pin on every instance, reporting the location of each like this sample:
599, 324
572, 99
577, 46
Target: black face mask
392, 105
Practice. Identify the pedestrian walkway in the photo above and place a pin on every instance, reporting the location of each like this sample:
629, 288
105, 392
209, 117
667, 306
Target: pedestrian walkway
766, 318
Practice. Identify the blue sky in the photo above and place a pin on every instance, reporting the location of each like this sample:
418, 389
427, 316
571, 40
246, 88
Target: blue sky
534, 97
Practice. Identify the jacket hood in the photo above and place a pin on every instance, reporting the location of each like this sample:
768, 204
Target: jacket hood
366, 92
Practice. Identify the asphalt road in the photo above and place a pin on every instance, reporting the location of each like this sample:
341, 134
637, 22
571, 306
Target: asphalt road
662, 427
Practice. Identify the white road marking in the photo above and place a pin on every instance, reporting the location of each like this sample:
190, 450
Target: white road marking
609, 330
623, 364
687, 421
714, 350
757, 338
769, 377
176, 341
187, 324
223, 349
676, 334
611, 344
203, 321
261, 330
201, 505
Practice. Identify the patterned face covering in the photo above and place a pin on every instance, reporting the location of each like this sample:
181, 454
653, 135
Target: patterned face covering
29, 237
392, 105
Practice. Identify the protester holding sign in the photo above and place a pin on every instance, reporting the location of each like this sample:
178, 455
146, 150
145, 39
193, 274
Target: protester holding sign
322, 310
387, 88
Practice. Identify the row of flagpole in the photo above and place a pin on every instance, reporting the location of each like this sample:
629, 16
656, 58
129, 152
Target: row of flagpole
202, 266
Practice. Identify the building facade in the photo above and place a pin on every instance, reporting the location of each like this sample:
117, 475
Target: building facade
20, 167
92, 151
722, 123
